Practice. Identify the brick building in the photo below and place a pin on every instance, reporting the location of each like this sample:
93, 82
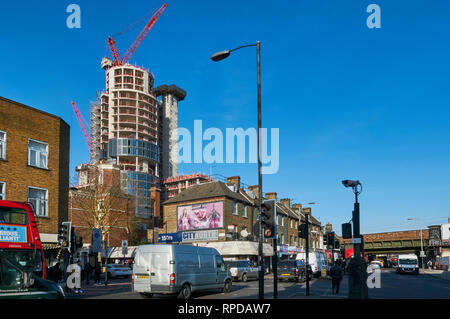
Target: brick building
34, 165
99, 202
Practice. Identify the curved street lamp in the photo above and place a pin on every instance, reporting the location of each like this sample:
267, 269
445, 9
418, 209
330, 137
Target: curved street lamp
218, 57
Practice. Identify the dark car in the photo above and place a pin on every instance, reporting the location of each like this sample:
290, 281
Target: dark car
292, 270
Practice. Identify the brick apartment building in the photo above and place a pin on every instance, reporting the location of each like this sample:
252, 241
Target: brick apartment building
236, 236
34, 165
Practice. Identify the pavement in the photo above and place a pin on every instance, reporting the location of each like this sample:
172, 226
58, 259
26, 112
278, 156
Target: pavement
440, 274
428, 284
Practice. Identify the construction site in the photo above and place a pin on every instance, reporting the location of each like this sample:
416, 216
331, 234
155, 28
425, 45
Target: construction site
133, 127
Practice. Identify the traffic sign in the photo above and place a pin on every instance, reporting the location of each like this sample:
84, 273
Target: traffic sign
124, 243
356, 241
96, 240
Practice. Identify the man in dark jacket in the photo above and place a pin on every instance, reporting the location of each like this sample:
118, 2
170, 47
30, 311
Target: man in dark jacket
336, 274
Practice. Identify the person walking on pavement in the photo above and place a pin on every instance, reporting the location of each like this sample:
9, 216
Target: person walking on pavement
97, 272
336, 277
88, 271
74, 279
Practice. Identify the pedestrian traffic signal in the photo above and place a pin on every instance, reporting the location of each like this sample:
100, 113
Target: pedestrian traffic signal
303, 231
268, 217
64, 235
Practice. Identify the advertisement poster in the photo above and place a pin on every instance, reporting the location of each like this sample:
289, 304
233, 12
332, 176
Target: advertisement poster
200, 216
13, 234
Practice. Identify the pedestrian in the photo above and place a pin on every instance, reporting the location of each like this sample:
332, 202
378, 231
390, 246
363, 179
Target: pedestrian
76, 279
88, 271
430, 264
97, 272
336, 277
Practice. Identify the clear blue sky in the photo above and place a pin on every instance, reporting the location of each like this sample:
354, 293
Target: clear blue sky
350, 102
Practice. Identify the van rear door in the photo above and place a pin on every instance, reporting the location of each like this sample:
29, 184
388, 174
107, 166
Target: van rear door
159, 269
141, 271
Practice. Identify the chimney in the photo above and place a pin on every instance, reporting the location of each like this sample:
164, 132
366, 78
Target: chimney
286, 202
234, 180
155, 195
307, 211
297, 207
272, 195
254, 189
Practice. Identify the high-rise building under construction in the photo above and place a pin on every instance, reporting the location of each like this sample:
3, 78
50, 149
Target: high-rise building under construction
131, 128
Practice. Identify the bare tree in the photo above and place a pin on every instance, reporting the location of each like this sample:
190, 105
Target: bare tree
96, 204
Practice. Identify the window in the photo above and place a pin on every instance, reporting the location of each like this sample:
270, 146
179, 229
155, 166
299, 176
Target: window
2, 191
39, 198
234, 208
244, 211
2, 145
37, 154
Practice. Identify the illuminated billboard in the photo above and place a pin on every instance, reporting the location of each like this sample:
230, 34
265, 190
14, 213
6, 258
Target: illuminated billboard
200, 216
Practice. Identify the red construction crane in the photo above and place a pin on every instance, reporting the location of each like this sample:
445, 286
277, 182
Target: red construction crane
83, 123
118, 61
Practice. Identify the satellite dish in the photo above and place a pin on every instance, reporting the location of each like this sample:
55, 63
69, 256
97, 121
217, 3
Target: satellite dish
244, 233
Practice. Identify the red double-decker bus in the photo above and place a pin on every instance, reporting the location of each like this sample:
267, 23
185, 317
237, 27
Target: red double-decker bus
19, 236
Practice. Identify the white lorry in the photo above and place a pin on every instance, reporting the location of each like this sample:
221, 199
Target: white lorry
408, 264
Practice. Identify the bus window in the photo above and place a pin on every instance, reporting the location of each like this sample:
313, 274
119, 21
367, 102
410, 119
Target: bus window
15, 216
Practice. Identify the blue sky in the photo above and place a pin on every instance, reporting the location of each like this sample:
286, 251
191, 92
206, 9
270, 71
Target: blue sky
350, 102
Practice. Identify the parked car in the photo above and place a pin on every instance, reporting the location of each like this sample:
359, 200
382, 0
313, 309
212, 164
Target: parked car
318, 262
179, 270
373, 266
18, 282
292, 270
242, 270
118, 270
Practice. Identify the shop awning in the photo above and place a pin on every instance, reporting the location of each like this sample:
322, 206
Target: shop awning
239, 248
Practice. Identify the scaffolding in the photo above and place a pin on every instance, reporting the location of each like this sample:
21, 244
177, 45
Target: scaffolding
95, 131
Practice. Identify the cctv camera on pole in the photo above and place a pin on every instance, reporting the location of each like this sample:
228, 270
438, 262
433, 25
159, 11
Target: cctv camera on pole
357, 267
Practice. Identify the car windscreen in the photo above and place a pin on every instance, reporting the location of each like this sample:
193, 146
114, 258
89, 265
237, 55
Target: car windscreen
408, 261
287, 263
243, 263
231, 264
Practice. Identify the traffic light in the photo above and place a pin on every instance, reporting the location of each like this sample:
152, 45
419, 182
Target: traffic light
336, 243
325, 241
73, 240
303, 231
64, 235
268, 217
330, 237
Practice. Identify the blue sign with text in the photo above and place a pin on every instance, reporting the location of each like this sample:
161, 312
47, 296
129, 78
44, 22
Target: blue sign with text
13, 234
169, 238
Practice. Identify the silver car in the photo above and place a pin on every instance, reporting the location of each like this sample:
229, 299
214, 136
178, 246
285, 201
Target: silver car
242, 270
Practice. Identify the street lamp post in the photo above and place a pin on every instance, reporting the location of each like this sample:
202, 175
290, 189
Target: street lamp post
218, 57
421, 240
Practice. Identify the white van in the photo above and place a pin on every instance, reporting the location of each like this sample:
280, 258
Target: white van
408, 264
317, 260
178, 269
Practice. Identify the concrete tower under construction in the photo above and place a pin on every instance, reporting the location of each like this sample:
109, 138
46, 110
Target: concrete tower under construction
126, 130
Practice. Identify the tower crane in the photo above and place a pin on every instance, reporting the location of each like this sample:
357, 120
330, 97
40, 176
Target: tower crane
83, 124
117, 60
